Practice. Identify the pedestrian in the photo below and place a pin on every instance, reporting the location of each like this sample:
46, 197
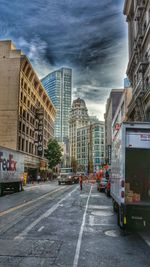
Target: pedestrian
38, 178
29, 179
80, 181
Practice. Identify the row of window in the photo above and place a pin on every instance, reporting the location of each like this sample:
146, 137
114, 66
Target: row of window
30, 93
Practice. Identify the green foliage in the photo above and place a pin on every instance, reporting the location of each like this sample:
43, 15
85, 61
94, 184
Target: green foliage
81, 168
90, 166
53, 153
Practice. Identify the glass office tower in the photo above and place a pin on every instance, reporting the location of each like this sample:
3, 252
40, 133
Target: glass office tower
58, 85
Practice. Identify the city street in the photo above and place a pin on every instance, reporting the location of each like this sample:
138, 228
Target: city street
50, 225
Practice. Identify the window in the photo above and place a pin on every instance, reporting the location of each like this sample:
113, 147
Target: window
23, 128
25, 86
21, 96
26, 146
20, 111
24, 99
24, 114
20, 126
22, 147
27, 116
22, 82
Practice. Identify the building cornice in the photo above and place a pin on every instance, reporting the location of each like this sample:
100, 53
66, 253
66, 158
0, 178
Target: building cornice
127, 7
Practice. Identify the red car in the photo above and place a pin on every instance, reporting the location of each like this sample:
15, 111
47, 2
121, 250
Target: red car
102, 185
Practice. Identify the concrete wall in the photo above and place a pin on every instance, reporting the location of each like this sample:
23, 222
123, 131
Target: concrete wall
9, 86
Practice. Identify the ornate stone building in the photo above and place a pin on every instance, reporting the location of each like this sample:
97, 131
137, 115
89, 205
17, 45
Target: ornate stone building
78, 118
138, 70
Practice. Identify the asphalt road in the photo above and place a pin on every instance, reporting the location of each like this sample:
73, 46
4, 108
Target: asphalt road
50, 225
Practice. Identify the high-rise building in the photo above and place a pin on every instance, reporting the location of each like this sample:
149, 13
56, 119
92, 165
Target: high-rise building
58, 85
26, 112
78, 118
138, 70
111, 106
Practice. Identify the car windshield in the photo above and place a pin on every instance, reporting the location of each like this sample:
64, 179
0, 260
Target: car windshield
66, 170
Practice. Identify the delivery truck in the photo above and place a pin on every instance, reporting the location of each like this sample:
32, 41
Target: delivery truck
130, 174
11, 170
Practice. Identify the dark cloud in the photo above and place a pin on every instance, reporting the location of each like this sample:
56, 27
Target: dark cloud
88, 36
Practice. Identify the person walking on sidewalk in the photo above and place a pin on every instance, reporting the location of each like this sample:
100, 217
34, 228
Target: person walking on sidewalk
38, 178
80, 181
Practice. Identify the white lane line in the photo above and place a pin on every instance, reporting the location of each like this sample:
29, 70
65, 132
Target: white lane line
2, 213
77, 253
44, 215
41, 228
102, 224
145, 238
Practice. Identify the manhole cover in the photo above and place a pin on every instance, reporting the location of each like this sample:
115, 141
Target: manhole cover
112, 233
102, 213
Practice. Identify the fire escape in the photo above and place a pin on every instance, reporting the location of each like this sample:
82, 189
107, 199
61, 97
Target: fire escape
141, 63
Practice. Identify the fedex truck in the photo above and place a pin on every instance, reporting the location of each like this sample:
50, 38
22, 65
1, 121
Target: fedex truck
130, 174
11, 170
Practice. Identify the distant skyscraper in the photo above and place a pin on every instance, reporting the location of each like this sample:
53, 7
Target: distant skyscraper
58, 85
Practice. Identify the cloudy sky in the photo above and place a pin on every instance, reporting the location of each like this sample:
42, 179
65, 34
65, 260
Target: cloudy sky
88, 36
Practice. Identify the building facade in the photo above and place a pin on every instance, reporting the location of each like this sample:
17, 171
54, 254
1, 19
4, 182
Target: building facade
138, 70
26, 112
111, 106
78, 118
122, 110
91, 147
58, 85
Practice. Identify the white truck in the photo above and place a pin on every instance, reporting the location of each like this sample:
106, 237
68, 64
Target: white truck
66, 176
11, 170
130, 175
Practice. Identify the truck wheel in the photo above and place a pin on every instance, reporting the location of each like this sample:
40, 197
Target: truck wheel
115, 206
120, 219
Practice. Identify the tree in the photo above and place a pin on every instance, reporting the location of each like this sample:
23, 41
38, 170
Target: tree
53, 153
74, 164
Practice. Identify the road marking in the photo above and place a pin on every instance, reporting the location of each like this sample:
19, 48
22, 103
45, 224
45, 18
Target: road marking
100, 207
78, 247
31, 187
44, 215
145, 238
91, 220
102, 224
29, 202
41, 228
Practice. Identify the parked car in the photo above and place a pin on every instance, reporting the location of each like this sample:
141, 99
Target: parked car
107, 188
102, 185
